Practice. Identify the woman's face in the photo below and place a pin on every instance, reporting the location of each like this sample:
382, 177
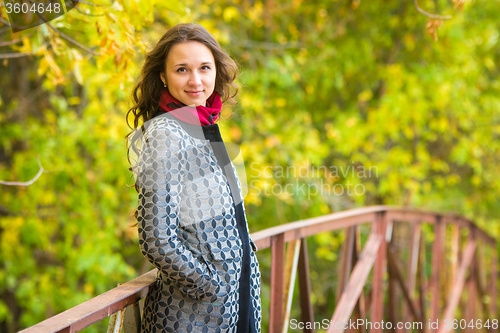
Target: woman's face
190, 73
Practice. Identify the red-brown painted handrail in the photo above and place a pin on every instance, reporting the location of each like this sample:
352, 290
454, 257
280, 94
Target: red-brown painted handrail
374, 254
97, 308
303, 228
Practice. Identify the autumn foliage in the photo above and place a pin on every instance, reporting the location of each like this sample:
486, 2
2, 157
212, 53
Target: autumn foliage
335, 86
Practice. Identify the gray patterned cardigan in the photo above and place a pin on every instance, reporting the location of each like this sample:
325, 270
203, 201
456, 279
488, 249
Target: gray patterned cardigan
192, 227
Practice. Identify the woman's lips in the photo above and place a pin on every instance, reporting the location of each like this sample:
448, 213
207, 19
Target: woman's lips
194, 93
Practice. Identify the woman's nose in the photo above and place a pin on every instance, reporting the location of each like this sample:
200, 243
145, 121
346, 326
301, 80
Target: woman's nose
195, 79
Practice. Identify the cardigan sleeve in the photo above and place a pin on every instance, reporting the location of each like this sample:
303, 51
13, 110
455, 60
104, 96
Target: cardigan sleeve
160, 180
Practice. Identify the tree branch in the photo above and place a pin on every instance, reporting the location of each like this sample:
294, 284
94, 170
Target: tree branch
4, 22
14, 55
81, 12
71, 40
28, 182
434, 16
16, 40
267, 45
12, 25
89, 3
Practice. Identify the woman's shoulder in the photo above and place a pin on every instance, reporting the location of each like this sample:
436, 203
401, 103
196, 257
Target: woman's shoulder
164, 121
167, 124
162, 125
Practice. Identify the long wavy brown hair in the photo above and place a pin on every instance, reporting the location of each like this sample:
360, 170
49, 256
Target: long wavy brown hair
148, 88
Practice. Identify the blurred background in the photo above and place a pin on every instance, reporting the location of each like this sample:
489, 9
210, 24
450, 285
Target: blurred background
374, 97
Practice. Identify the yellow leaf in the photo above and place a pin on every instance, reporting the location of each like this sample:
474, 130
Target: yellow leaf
331, 132
52, 64
75, 100
282, 39
408, 132
489, 63
235, 133
351, 122
76, 55
368, 146
280, 102
409, 41
42, 67
230, 13
365, 96
88, 288
26, 45
78, 75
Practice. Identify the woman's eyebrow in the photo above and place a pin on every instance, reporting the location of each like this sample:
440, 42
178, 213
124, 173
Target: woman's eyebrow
203, 63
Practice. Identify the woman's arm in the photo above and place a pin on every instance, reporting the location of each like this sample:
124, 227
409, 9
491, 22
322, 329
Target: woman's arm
160, 179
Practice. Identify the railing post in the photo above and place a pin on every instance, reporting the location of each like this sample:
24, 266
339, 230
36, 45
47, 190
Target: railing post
345, 261
412, 268
116, 322
392, 287
397, 270
379, 227
132, 320
348, 300
277, 279
437, 255
359, 310
307, 315
494, 277
422, 286
472, 292
292, 258
455, 246
480, 284
458, 285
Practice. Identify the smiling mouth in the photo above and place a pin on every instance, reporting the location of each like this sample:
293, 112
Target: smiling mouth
194, 93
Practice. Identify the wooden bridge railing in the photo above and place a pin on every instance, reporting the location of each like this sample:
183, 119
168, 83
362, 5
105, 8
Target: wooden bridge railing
379, 252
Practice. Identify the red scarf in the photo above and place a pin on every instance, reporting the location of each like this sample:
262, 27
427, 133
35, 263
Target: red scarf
206, 115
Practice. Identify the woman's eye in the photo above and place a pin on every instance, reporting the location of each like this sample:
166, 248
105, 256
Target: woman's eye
182, 69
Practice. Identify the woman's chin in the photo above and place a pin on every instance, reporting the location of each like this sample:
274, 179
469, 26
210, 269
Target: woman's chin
195, 103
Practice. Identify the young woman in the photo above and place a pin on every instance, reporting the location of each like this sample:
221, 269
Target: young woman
190, 216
